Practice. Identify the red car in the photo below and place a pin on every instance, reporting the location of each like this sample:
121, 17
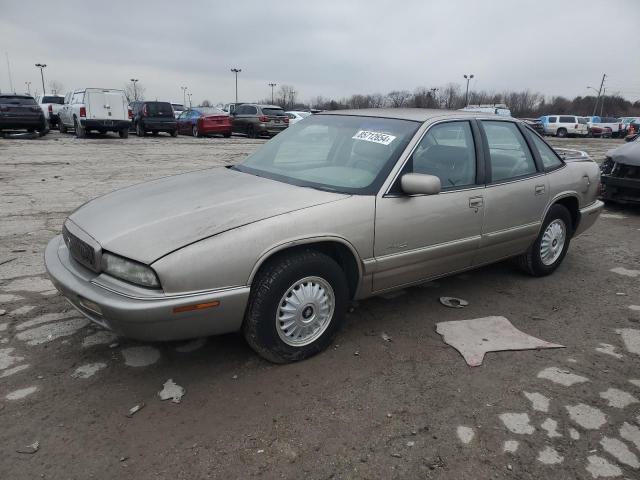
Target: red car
203, 121
598, 131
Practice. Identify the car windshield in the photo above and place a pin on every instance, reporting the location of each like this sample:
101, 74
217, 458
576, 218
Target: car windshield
347, 154
211, 111
11, 100
58, 100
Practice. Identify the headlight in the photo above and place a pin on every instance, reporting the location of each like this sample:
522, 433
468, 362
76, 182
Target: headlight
129, 271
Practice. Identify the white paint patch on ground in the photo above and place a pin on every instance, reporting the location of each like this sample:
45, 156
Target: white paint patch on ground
103, 337
46, 318
517, 423
631, 339
21, 311
618, 398
615, 216
572, 360
550, 456
11, 371
7, 359
598, 467
510, 446
626, 272
140, 356
31, 284
538, 401
635, 382
465, 434
474, 338
20, 394
191, 346
631, 433
88, 370
620, 451
587, 417
8, 297
551, 426
574, 434
170, 390
562, 377
635, 308
52, 331
609, 350
48, 293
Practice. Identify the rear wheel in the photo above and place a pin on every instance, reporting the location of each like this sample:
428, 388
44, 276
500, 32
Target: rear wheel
549, 249
124, 133
80, 130
174, 133
155, 133
562, 132
139, 130
297, 304
251, 131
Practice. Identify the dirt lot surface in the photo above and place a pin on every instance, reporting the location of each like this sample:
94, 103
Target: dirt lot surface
389, 400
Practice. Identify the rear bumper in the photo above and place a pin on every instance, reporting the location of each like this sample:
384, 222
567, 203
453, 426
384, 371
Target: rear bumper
159, 125
620, 189
270, 129
20, 122
114, 125
149, 318
588, 216
206, 129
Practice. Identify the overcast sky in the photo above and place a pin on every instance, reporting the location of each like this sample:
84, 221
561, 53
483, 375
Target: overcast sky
325, 47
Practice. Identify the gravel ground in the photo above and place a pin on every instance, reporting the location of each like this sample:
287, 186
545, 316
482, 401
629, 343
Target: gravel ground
389, 400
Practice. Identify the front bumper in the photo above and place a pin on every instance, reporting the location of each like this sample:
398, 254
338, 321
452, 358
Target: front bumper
150, 317
114, 125
620, 189
588, 216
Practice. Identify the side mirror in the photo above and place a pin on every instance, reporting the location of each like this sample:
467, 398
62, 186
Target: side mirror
420, 184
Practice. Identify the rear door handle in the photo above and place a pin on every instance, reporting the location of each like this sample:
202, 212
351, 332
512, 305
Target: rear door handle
539, 189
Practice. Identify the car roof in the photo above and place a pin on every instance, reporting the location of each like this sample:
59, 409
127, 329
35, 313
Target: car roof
415, 114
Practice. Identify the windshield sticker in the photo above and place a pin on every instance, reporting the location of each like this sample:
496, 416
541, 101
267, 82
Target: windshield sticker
375, 137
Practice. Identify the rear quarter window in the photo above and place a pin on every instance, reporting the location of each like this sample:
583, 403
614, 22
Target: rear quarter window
553, 119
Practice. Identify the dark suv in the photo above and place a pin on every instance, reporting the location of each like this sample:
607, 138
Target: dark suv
256, 120
21, 112
153, 117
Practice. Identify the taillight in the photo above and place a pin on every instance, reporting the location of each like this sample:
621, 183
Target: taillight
50, 108
83, 112
144, 110
575, 126
263, 118
130, 113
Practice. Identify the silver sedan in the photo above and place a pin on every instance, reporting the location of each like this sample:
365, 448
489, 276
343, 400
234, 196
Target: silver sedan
342, 206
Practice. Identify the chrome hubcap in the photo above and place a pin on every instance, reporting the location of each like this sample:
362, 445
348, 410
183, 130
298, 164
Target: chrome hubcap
553, 242
305, 311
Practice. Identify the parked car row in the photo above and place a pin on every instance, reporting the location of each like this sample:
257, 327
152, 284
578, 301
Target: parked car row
594, 126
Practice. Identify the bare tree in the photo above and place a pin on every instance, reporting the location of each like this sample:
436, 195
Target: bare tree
134, 92
398, 98
286, 96
206, 103
55, 87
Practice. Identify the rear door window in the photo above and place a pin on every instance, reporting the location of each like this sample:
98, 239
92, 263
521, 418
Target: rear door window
553, 119
567, 120
509, 153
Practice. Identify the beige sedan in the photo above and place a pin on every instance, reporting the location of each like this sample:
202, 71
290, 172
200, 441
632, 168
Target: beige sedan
342, 206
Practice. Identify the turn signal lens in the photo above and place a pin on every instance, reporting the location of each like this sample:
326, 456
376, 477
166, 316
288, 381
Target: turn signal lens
197, 306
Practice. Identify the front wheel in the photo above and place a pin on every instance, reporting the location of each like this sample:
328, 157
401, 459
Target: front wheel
174, 133
124, 133
62, 127
297, 304
549, 249
195, 131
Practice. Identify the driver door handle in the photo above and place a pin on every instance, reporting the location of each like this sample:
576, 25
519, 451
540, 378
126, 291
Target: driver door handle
539, 189
476, 202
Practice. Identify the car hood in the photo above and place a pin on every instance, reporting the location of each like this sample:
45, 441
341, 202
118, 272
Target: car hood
147, 221
628, 154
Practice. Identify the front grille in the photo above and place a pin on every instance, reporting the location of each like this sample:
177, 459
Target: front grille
81, 251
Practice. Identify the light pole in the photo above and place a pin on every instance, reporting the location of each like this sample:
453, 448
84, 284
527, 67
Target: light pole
135, 90
189, 95
598, 94
41, 66
28, 84
272, 85
467, 77
292, 97
236, 71
184, 96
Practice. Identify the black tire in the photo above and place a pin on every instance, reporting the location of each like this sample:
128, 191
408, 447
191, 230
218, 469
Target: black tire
227, 135
251, 131
561, 132
531, 261
271, 284
139, 130
195, 132
62, 127
154, 133
80, 130
124, 133
174, 133
102, 132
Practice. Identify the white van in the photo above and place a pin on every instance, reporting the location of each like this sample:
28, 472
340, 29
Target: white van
99, 109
